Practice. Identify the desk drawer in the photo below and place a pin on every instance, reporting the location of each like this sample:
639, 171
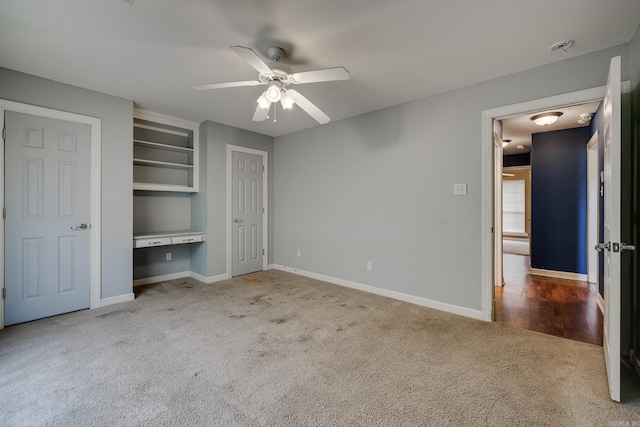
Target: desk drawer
147, 243
187, 239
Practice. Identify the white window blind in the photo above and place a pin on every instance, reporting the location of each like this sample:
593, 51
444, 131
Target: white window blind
513, 210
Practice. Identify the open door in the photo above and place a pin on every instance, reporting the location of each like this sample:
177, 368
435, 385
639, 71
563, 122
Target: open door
612, 198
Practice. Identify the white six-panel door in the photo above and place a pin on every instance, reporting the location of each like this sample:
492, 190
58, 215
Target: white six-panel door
47, 200
247, 213
612, 125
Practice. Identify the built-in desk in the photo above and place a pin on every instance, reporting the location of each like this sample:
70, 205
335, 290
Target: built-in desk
147, 240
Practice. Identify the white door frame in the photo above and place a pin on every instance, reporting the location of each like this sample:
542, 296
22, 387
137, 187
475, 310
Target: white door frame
265, 203
490, 174
95, 244
593, 215
498, 249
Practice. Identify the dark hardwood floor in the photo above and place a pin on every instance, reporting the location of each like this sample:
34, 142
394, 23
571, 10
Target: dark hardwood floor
560, 307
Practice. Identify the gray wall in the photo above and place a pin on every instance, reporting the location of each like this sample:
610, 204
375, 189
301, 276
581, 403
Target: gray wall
199, 207
218, 136
205, 210
117, 168
155, 211
379, 186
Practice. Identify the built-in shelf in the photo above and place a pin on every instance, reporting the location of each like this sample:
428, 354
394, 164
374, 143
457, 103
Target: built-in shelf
143, 162
163, 146
165, 153
147, 240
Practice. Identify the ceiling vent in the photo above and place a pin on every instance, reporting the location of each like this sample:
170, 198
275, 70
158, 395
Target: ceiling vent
563, 46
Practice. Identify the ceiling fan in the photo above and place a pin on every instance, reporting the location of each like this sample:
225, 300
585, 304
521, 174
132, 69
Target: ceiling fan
277, 80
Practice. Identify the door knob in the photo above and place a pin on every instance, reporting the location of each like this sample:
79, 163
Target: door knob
600, 246
79, 227
237, 220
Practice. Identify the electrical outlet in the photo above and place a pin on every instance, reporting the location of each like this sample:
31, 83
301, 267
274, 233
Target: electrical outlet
459, 189
168, 256
299, 252
369, 265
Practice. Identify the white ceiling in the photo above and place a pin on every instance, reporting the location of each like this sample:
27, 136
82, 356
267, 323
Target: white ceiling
154, 50
519, 129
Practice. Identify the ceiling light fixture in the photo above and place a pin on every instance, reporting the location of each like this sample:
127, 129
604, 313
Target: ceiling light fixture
545, 119
286, 100
274, 92
263, 102
505, 142
520, 147
585, 118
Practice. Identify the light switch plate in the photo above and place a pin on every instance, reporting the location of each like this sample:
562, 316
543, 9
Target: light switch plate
459, 189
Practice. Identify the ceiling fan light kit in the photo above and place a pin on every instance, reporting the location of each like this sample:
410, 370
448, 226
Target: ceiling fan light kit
276, 80
274, 93
263, 102
286, 101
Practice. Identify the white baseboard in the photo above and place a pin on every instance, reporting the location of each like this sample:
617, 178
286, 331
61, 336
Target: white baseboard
600, 302
558, 274
449, 308
210, 279
117, 300
180, 275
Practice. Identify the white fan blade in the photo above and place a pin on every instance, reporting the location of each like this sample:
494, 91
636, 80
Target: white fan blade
253, 59
325, 75
261, 114
224, 85
308, 106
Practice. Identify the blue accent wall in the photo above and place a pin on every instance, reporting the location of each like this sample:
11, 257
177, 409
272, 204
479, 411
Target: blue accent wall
559, 200
516, 160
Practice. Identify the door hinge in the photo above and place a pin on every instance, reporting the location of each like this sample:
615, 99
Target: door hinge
4, 293
4, 134
262, 168
263, 252
4, 213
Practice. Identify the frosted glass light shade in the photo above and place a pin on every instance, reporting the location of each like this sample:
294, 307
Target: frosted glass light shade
263, 102
286, 100
546, 119
273, 93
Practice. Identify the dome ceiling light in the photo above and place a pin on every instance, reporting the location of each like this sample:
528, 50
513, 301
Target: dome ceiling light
546, 119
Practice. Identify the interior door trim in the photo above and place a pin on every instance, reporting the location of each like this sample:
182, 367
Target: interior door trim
95, 243
490, 174
265, 202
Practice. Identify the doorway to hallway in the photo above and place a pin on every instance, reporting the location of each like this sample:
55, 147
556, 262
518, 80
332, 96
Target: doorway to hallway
545, 286
560, 307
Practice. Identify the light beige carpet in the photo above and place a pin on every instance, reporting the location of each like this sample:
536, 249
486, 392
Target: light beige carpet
275, 349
